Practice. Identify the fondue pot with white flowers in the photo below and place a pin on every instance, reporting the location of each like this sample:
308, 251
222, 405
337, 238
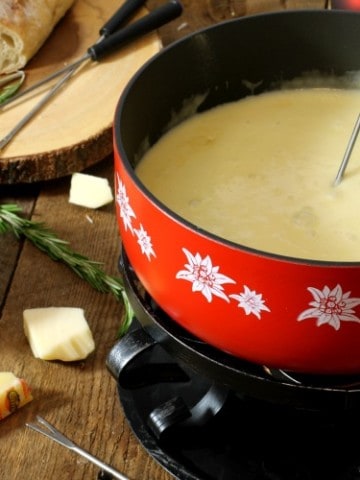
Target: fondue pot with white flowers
298, 310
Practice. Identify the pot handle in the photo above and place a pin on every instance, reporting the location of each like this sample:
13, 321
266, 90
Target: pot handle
121, 362
126, 349
176, 413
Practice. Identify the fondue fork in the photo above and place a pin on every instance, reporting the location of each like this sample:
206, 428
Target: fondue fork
348, 152
111, 25
48, 430
106, 44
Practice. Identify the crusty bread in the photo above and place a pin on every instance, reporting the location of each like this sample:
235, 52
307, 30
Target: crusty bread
24, 27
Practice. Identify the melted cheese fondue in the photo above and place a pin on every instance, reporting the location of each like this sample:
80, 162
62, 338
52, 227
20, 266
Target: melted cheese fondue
260, 172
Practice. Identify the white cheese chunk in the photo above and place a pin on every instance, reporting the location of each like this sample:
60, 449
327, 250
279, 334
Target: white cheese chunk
58, 333
14, 393
89, 191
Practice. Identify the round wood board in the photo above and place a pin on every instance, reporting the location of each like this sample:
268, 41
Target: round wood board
74, 129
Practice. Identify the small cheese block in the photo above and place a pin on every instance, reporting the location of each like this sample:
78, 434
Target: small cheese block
89, 191
14, 393
58, 333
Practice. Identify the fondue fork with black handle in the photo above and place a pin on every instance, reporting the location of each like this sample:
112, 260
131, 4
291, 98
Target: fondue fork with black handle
109, 41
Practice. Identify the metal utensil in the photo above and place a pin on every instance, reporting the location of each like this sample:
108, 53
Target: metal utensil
110, 26
45, 428
100, 49
348, 152
9, 136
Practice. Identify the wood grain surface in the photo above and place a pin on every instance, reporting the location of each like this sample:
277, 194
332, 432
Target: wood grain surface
73, 130
79, 398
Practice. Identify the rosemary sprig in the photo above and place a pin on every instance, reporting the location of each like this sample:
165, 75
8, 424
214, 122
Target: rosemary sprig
59, 250
10, 84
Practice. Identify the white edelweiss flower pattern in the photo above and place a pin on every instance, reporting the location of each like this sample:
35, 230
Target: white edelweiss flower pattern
328, 306
251, 302
128, 216
205, 278
126, 212
331, 307
145, 242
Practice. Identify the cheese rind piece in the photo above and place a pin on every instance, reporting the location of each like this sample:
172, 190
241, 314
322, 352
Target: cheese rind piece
14, 393
58, 333
89, 191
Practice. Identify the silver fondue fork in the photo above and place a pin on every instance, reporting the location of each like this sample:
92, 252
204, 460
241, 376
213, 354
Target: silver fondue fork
348, 152
45, 428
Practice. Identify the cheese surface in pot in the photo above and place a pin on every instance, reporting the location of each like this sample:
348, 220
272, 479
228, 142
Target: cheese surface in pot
260, 171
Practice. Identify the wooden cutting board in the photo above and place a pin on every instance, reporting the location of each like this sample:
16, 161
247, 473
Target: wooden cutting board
73, 130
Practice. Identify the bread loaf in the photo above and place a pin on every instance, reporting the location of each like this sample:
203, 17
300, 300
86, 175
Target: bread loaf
24, 27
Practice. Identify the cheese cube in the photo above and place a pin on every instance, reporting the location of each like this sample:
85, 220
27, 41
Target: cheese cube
89, 191
58, 333
14, 393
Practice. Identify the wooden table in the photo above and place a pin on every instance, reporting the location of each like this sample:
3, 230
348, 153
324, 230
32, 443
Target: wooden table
81, 398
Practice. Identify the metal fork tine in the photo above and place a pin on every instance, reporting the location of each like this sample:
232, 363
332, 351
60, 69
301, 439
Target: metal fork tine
54, 434
38, 429
51, 432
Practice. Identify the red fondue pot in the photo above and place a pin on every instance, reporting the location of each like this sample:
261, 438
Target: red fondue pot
288, 313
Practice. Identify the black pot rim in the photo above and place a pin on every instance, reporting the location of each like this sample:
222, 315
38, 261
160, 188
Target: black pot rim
173, 47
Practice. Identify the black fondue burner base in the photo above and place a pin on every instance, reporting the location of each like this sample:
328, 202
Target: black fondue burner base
247, 439
205, 415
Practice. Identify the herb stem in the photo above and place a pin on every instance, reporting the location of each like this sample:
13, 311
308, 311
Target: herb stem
59, 250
